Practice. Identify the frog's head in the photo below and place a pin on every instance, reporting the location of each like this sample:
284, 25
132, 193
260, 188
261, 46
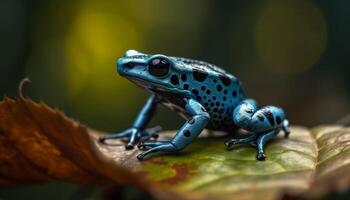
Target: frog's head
158, 73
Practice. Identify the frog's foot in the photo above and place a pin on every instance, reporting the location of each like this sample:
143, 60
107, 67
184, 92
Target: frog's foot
164, 146
262, 140
247, 140
133, 134
261, 156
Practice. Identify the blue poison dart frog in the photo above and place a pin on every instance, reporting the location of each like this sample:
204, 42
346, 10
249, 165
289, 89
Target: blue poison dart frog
204, 94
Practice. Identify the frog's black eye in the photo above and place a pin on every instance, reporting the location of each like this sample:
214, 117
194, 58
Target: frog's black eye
159, 67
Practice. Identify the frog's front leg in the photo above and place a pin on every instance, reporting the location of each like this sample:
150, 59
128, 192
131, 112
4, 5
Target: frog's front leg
138, 130
187, 133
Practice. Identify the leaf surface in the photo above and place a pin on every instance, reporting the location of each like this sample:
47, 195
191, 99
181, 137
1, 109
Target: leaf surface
38, 143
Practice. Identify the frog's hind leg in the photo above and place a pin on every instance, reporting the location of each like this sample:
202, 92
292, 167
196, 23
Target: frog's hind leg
264, 123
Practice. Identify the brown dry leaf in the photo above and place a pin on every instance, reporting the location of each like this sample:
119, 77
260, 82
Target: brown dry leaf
38, 143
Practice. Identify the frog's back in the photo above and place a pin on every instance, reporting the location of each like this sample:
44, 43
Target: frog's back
218, 91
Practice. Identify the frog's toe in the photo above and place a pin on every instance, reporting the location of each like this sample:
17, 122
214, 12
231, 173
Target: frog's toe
261, 156
141, 147
230, 143
104, 138
163, 146
247, 140
101, 139
129, 146
140, 156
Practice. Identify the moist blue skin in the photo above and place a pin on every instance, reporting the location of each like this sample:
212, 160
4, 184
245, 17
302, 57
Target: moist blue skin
204, 94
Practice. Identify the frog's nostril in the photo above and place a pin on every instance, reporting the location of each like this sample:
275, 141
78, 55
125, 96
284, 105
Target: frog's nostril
129, 65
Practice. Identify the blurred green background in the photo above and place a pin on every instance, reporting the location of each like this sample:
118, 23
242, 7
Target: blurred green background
291, 53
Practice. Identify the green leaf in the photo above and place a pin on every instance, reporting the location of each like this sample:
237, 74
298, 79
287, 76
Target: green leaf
207, 169
333, 161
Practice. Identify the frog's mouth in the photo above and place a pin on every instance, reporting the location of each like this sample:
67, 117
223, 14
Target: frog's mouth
158, 87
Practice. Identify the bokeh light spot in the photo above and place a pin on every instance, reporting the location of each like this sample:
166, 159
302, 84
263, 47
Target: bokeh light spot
290, 35
93, 43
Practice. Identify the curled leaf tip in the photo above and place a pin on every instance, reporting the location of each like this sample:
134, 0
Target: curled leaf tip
20, 86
